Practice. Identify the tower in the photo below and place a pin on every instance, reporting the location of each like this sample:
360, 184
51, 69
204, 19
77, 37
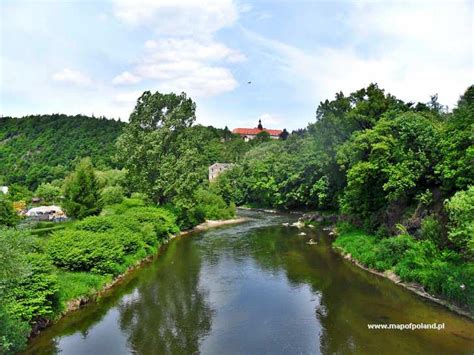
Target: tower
260, 127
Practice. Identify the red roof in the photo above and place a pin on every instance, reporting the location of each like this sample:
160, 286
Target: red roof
255, 131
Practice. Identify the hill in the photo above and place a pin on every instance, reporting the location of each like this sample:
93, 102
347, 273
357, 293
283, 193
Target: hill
39, 148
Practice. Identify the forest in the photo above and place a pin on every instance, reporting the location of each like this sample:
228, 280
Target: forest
398, 176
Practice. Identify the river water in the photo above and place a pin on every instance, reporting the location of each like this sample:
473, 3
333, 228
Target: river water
255, 288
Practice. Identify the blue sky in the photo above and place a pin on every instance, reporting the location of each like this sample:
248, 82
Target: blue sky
96, 57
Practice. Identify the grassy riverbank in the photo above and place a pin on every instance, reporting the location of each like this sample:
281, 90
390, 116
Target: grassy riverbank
441, 272
65, 267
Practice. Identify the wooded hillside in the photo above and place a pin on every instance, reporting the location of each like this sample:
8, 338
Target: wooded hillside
42, 148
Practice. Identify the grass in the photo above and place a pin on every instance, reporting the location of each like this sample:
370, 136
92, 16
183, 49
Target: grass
73, 285
441, 272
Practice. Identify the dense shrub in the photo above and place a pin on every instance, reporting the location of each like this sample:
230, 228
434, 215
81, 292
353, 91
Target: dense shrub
101, 243
124, 206
13, 332
24, 292
35, 294
432, 230
8, 215
213, 206
86, 251
112, 194
461, 221
390, 250
441, 272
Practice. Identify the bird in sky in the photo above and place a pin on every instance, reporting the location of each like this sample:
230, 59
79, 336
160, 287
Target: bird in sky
249, 82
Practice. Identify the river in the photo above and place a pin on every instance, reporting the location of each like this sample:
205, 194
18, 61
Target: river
255, 288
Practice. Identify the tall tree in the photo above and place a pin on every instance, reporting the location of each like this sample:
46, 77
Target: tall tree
157, 149
82, 191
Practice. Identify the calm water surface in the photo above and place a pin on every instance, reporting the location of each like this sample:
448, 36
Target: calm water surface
255, 288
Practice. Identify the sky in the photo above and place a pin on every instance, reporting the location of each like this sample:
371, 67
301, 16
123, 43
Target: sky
97, 57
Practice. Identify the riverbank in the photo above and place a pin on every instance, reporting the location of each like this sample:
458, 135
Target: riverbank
213, 224
414, 287
75, 304
409, 264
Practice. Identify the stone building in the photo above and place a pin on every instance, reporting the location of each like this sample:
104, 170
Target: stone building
217, 168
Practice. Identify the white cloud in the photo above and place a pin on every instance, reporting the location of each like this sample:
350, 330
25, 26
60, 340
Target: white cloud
73, 77
411, 50
126, 78
150, 44
128, 97
173, 49
269, 120
187, 64
184, 56
178, 18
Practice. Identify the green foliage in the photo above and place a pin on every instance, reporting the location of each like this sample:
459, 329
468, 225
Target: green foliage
441, 272
14, 248
212, 206
167, 158
18, 192
48, 192
425, 198
85, 251
456, 166
48, 146
8, 216
389, 162
35, 294
81, 191
154, 149
38, 277
263, 136
461, 221
28, 288
13, 332
431, 229
112, 195
73, 285
100, 244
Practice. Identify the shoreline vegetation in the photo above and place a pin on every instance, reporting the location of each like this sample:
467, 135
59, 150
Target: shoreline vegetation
421, 278
413, 287
397, 177
95, 294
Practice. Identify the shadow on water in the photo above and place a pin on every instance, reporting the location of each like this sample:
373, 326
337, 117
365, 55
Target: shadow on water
255, 288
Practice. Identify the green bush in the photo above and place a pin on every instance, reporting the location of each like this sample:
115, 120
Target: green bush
112, 194
35, 294
48, 192
101, 243
441, 272
390, 250
432, 230
8, 215
124, 206
360, 245
77, 250
461, 221
213, 206
13, 332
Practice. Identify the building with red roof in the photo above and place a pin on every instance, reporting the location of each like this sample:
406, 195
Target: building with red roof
251, 133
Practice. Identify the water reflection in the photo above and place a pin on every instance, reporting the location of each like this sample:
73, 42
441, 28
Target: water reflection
255, 288
168, 312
